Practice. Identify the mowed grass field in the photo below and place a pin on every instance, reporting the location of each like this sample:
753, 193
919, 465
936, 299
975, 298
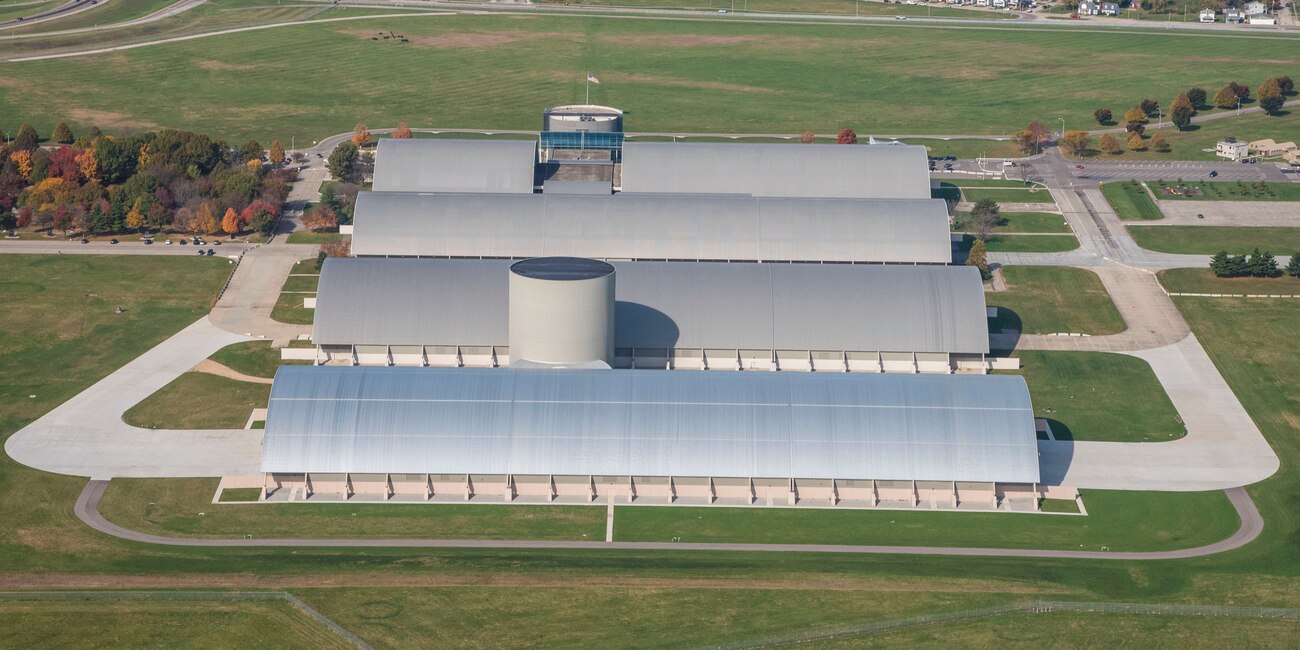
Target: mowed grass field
1052, 299
1130, 201
1204, 281
123, 622
198, 400
1208, 240
500, 71
1099, 396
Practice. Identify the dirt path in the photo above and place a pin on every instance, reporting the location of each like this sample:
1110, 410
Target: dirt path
213, 368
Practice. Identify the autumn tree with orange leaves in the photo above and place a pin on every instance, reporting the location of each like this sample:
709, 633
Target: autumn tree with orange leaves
230, 223
360, 135
402, 131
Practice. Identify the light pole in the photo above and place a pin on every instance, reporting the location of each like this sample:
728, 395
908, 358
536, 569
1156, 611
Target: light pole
1238, 107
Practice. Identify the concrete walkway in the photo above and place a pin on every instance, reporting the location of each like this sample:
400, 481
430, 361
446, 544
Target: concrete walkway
85, 436
87, 510
246, 306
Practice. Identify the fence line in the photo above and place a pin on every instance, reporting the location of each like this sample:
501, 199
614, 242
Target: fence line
188, 596
1035, 607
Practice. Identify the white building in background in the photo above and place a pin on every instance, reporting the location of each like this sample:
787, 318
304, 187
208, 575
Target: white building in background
1231, 150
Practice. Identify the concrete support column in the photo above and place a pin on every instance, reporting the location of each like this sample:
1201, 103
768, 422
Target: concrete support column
550, 479
508, 494
388, 487
672, 490
875, 494
306, 486
1037, 507
428, 487
591, 484
713, 492
753, 494
835, 493
631, 489
793, 496
916, 496
954, 494
347, 486
469, 487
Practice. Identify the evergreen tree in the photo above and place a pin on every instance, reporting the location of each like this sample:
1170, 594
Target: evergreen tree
342, 163
1262, 265
1221, 264
63, 134
1293, 267
27, 139
1197, 96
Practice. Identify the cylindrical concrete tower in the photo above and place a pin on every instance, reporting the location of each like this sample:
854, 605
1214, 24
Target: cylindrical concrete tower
562, 312
583, 117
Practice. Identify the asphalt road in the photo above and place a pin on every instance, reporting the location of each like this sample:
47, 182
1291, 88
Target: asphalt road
87, 510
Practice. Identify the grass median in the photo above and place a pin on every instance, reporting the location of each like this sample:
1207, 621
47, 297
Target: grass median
1055, 299
1130, 201
1208, 240
198, 400
1099, 396
1204, 281
300, 284
1018, 222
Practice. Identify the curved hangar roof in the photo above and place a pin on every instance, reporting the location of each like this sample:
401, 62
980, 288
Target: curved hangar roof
647, 226
693, 305
651, 423
435, 165
880, 171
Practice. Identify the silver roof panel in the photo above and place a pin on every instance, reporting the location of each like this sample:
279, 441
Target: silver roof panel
792, 170
853, 307
651, 423
648, 226
440, 165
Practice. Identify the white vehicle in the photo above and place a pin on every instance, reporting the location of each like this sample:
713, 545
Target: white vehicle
1008, 163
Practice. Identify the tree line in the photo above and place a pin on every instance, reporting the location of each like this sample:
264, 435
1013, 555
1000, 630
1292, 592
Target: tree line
173, 180
1270, 95
1256, 265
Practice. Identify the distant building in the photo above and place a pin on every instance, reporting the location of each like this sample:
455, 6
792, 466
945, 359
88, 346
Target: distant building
1233, 15
1231, 150
1110, 8
1255, 8
1269, 148
1089, 8
1207, 15
1262, 19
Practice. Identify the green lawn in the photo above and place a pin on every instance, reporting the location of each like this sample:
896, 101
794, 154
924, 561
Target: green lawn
1130, 201
1006, 195
1099, 396
1208, 240
1031, 243
1127, 520
288, 307
1094, 629
627, 613
197, 400
170, 507
139, 623
1197, 143
309, 237
1019, 222
240, 495
256, 358
1226, 191
301, 282
967, 149
699, 76
832, 7
1203, 281
1050, 299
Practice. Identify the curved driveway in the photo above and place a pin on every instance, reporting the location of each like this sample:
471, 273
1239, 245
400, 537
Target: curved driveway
87, 510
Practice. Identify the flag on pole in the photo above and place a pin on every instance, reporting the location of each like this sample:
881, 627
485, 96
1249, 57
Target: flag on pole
592, 78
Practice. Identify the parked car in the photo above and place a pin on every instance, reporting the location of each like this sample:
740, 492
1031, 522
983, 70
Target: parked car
148, 242
184, 242
112, 241
211, 252
1214, 173
85, 241
216, 243
1078, 166
168, 242
900, 17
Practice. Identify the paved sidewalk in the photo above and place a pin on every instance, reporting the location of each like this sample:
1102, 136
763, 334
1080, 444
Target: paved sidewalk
246, 306
85, 436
